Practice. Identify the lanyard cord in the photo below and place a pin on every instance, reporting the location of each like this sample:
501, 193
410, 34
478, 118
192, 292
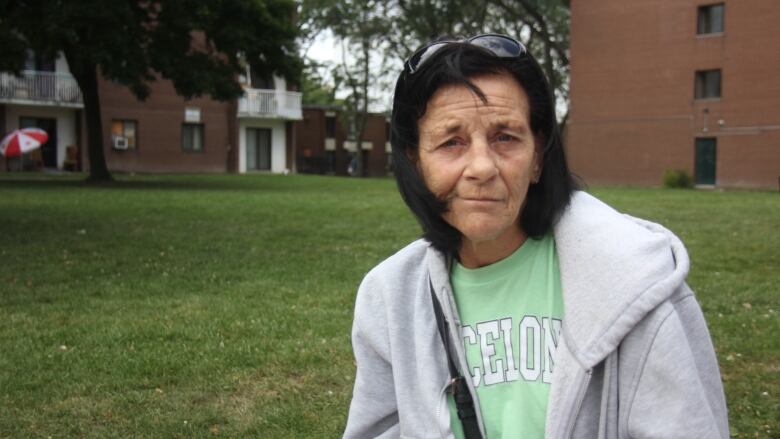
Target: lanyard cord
460, 391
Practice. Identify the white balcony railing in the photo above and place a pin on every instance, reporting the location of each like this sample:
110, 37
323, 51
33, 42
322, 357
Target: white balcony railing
40, 88
276, 104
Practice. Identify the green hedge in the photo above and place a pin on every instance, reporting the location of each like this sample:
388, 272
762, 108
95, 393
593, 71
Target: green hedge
677, 179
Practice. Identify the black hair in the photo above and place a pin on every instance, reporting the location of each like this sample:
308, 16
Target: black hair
456, 63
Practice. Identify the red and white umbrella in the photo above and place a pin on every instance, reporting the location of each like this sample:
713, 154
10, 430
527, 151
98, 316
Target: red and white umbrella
22, 141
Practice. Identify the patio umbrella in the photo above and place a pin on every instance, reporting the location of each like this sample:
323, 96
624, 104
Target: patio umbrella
22, 141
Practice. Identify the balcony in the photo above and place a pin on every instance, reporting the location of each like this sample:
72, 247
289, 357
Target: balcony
270, 104
40, 88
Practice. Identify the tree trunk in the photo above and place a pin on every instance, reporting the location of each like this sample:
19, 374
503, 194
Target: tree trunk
360, 124
86, 77
364, 111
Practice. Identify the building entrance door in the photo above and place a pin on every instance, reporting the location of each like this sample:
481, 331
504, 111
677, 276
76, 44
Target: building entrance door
48, 149
258, 149
706, 159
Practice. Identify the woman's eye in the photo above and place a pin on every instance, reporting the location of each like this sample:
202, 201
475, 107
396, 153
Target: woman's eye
450, 143
505, 137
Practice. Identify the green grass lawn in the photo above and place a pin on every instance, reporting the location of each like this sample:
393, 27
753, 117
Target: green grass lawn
200, 306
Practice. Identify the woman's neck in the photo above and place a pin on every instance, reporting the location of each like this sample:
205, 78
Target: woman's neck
479, 254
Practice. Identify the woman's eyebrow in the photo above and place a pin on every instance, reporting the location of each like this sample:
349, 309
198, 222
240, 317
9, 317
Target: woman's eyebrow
450, 128
445, 129
510, 124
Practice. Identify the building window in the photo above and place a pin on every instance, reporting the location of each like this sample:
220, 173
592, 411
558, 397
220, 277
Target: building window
124, 134
710, 19
37, 62
330, 126
262, 82
707, 84
192, 137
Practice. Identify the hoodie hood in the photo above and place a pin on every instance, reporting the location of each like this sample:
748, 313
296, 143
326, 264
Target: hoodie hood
615, 269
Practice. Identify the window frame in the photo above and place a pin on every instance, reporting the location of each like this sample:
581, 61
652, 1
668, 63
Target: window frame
34, 61
135, 138
704, 19
259, 82
188, 125
700, 84
330, 127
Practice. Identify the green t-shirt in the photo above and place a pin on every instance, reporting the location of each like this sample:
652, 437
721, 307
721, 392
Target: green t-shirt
511, 313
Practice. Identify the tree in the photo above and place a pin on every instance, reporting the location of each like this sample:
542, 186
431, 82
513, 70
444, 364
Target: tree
316, 87
547, 24
542, 25
415, 22
359, 26
200, 46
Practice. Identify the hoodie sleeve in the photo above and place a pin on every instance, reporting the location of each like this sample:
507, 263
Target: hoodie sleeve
679, 393
373, 412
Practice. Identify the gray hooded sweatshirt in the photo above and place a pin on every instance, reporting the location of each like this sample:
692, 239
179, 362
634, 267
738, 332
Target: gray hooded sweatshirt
634, 359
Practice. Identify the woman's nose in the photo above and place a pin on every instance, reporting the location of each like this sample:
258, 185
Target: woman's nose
481, 161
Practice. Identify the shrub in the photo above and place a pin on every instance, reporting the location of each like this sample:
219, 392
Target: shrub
677, 179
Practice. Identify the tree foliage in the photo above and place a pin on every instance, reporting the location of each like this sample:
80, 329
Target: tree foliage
542, 25
360, 27
415, 22
200, 46
319, 83
404, 25
545, 31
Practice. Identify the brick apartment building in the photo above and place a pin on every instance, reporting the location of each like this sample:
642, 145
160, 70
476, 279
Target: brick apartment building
322, 145
675, 84
165, 133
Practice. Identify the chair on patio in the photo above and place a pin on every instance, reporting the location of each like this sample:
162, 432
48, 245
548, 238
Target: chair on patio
34, 160
71, 162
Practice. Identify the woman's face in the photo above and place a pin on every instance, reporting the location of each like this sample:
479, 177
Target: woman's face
480, 157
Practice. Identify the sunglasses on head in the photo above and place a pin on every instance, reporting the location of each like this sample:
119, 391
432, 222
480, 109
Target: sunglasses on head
501, 46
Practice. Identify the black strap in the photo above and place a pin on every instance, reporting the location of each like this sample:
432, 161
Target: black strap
460, 390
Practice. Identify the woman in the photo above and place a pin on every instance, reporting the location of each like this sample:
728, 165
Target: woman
529, 308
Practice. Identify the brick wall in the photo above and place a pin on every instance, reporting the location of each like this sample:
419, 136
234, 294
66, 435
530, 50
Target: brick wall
310, 143
375, 160
633, 113
159, 124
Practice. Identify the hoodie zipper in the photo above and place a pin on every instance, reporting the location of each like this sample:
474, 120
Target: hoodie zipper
578, 403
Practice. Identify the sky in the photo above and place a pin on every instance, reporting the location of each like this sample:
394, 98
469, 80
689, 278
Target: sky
326, 48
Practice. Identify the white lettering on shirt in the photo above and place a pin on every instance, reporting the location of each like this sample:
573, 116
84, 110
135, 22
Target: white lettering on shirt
537, 343
488, 334
470, 337
529, 356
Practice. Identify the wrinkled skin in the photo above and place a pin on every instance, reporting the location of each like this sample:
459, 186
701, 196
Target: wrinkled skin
480, 158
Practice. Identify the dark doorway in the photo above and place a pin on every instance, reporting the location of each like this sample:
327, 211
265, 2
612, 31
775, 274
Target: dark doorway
706, 160
258, 149
263, 82
48, 149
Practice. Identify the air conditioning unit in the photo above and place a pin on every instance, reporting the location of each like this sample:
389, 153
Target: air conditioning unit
120, 142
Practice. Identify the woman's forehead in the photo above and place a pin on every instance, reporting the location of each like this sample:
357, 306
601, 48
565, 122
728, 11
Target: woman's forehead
454, 122
454, 105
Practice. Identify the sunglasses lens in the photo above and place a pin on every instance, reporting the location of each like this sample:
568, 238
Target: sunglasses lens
502, 47
423, 54
498, 45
